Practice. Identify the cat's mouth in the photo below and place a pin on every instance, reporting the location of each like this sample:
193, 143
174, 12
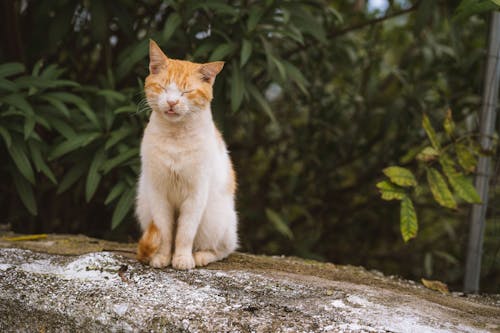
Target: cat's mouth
170, 113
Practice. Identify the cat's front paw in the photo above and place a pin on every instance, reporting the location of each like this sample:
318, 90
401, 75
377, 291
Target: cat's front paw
183, 262
160, 260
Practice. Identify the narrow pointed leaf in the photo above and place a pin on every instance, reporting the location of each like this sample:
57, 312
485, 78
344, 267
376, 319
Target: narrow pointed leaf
25, 192
279, 223
94, 176
123, 206
237, 87
18, 154
172, 23
431, 133
449, 124
246, 52
115, 192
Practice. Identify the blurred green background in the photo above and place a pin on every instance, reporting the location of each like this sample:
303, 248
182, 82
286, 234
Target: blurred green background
316, 98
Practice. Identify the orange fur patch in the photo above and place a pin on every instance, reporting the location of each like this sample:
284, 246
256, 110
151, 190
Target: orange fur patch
149, 243
232, 185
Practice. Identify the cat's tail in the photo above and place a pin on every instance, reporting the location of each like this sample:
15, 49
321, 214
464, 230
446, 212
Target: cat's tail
149, 243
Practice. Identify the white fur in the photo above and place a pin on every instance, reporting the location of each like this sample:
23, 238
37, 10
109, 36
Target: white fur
183, 185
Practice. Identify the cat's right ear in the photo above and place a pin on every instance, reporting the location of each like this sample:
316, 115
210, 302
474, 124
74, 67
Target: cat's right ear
157, 59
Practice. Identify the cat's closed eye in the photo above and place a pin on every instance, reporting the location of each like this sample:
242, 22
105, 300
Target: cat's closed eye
186, 92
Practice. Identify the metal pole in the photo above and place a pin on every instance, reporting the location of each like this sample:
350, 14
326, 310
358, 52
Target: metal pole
487, 128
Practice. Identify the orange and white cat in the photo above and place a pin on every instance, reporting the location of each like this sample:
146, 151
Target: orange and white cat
185, 200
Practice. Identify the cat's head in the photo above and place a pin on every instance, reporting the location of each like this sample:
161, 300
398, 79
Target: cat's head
176, 88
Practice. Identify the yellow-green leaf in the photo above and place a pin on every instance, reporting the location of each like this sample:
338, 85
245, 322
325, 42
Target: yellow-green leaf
440, 189
462, 186
465, 157
427, 154
408, 219
389, 191
400, 176
279, 223
449, 124
431, 133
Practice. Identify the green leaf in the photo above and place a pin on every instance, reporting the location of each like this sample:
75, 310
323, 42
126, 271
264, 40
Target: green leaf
468, 8
40, 164
117, 136
10, 68
465, 157
62, 127
173, 21
8, 85
119, 159
19, 101
57, 104
431, 134
126, 109
18, 153
25, 192
440, 189
237, 87
408, 220
222, 51
112, 95
296, 76
427, 154
131, 56
400, 176
124, 205
29, 126
75, 173
6, 136
72, 144
449, 124
246, 52
115, 192
93, 176
79, 102
254, 18
389, 191
261, 101
278, 223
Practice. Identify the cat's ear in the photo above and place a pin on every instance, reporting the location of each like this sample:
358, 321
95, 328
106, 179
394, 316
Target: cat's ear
157, 59
210, 70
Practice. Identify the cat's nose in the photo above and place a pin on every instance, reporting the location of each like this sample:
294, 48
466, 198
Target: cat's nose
172, 103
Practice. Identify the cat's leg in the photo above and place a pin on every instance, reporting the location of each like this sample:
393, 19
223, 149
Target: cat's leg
190, 214
163, 217
217, 236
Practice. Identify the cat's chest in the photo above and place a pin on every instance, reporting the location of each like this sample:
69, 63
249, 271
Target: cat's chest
167, 156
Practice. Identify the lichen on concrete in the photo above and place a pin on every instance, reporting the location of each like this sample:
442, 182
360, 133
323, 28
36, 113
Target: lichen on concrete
107, 291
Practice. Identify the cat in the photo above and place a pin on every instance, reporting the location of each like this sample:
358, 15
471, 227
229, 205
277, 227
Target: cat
186, 191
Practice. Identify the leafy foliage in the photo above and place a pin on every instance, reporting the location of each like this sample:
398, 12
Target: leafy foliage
436, 182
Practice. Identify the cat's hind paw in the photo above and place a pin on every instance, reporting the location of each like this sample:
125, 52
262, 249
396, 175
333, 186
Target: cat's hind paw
203, 258
160, 261
183, 262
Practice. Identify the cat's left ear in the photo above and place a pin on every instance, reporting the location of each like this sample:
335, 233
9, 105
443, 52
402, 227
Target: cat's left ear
210, 70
